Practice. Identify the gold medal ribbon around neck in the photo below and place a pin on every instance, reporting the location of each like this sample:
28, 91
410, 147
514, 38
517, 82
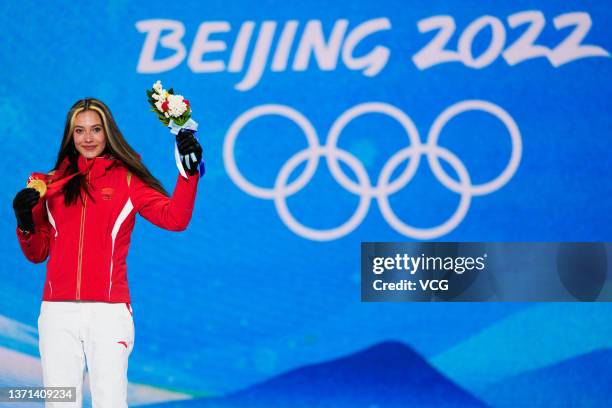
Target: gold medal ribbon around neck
38, 183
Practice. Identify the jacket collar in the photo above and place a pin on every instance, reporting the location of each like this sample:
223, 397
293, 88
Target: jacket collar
97, 166
84, 163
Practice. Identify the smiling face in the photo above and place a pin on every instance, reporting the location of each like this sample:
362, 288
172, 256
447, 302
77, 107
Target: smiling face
88, 134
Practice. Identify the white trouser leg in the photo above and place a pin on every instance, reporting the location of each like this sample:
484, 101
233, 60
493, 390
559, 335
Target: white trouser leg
61, 350
108, 341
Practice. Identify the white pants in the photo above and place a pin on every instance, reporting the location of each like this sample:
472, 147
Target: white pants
101, 334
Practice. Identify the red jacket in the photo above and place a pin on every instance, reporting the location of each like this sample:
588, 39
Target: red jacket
87, 243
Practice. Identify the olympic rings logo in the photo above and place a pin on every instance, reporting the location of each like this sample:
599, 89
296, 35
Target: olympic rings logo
384, 187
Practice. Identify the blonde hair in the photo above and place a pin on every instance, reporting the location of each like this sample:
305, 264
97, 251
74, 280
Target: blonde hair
116, 145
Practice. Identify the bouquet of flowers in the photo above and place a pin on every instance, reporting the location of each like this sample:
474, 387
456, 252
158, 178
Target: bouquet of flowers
174, 111
168, 106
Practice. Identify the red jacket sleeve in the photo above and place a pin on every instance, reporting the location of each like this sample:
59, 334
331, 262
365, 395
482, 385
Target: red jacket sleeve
36, 246
171, 213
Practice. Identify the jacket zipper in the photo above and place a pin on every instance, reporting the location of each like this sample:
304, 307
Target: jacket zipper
81, 234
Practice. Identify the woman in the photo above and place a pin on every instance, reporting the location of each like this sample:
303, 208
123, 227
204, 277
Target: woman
83, 226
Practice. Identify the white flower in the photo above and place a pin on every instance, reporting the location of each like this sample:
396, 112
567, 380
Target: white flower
176, 106
166, 114
157, 86
158, 105
155, 96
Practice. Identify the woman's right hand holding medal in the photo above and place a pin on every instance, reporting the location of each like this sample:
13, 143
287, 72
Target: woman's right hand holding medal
23, 203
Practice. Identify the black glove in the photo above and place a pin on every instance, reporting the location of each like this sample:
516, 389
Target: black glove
190, 150
23, 203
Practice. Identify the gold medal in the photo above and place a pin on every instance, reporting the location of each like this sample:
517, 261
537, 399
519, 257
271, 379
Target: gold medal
39, 186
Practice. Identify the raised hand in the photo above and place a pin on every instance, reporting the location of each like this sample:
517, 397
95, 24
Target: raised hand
190, 150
